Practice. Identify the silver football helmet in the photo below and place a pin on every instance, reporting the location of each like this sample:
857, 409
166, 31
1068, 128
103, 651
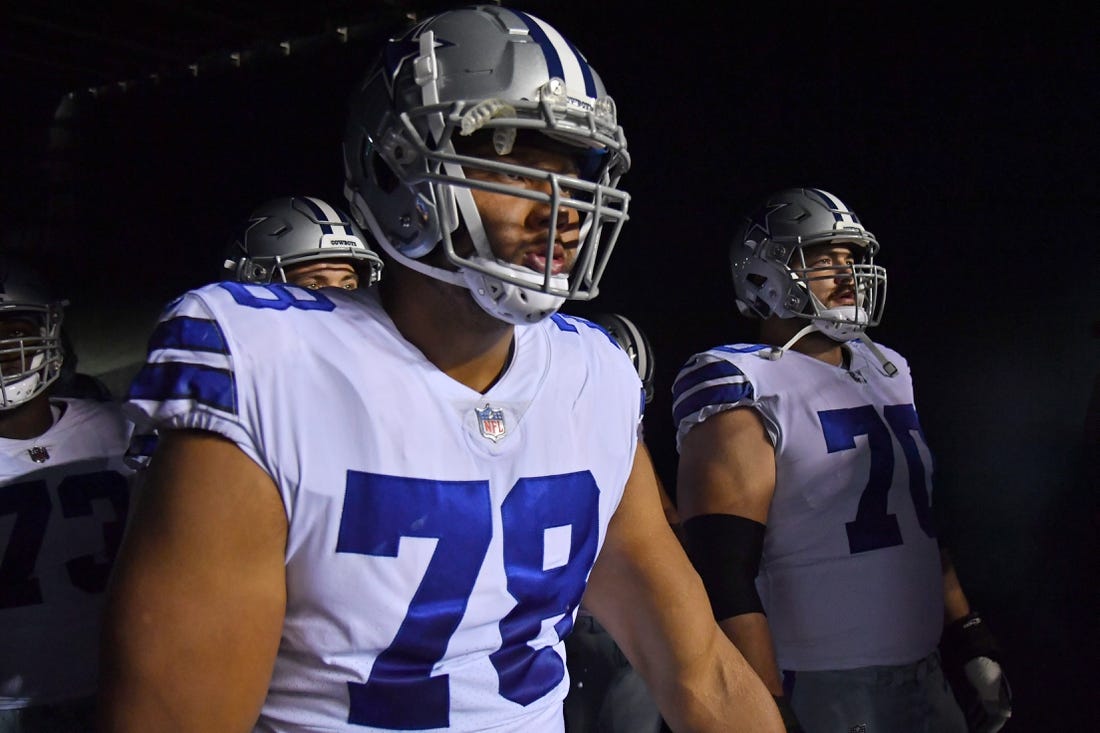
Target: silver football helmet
31, 352
501, 71
770, 272
634, 343
292, 231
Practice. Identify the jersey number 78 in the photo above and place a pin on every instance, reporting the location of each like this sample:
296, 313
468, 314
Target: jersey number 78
401, 692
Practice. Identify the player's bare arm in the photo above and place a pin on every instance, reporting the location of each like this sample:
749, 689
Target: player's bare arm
727, 467
192, 648
644, 590
955, 604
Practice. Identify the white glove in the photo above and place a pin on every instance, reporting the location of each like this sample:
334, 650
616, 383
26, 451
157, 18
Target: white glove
993, 706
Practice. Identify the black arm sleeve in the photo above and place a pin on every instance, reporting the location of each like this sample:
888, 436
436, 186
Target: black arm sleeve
725, 550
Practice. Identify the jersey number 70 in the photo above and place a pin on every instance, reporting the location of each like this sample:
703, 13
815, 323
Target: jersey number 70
874, 528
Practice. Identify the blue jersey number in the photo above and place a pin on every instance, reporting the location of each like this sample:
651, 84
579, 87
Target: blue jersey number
30, 502
874, 527
283, 297
401, 692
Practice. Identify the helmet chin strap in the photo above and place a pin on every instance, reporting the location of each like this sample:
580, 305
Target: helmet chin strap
776, 352
510, 302
887, 365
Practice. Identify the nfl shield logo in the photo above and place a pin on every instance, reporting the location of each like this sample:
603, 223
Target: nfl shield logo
490, 422
39, 454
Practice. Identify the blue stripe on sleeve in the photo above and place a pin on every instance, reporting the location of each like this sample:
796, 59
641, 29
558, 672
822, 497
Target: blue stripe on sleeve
691, 379
719, 394
193, 334
182, 381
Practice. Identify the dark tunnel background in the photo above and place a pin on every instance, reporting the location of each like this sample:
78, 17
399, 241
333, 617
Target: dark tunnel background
965, 141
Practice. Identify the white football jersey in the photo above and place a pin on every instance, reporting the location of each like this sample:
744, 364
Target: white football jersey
64, 499
850, 575
439, 539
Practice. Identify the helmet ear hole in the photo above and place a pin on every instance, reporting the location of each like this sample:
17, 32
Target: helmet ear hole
383, 175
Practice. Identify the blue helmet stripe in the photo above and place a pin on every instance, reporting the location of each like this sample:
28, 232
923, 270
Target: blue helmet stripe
319, 214
553, 61
586, 70
840, 211
554, 64
826, 200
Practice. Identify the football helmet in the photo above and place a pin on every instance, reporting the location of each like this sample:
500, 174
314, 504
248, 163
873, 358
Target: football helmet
292, 231
770, 272
634, 343
501, 71
31, 352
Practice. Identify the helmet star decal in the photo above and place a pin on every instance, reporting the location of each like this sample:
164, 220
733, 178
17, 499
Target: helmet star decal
759, 220
400, 50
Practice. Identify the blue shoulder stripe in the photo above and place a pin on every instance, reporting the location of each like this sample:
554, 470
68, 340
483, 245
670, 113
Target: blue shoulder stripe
193, 334
690, 379
728, 393
182, 381
563, 323
742, 348
567, 323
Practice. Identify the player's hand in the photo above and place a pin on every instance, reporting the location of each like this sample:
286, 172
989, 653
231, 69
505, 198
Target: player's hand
991, 705
972, 665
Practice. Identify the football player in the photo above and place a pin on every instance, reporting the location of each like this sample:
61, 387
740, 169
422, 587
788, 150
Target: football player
378, 510
605, 692
65, 489
804, 483
633, 341
303, 241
